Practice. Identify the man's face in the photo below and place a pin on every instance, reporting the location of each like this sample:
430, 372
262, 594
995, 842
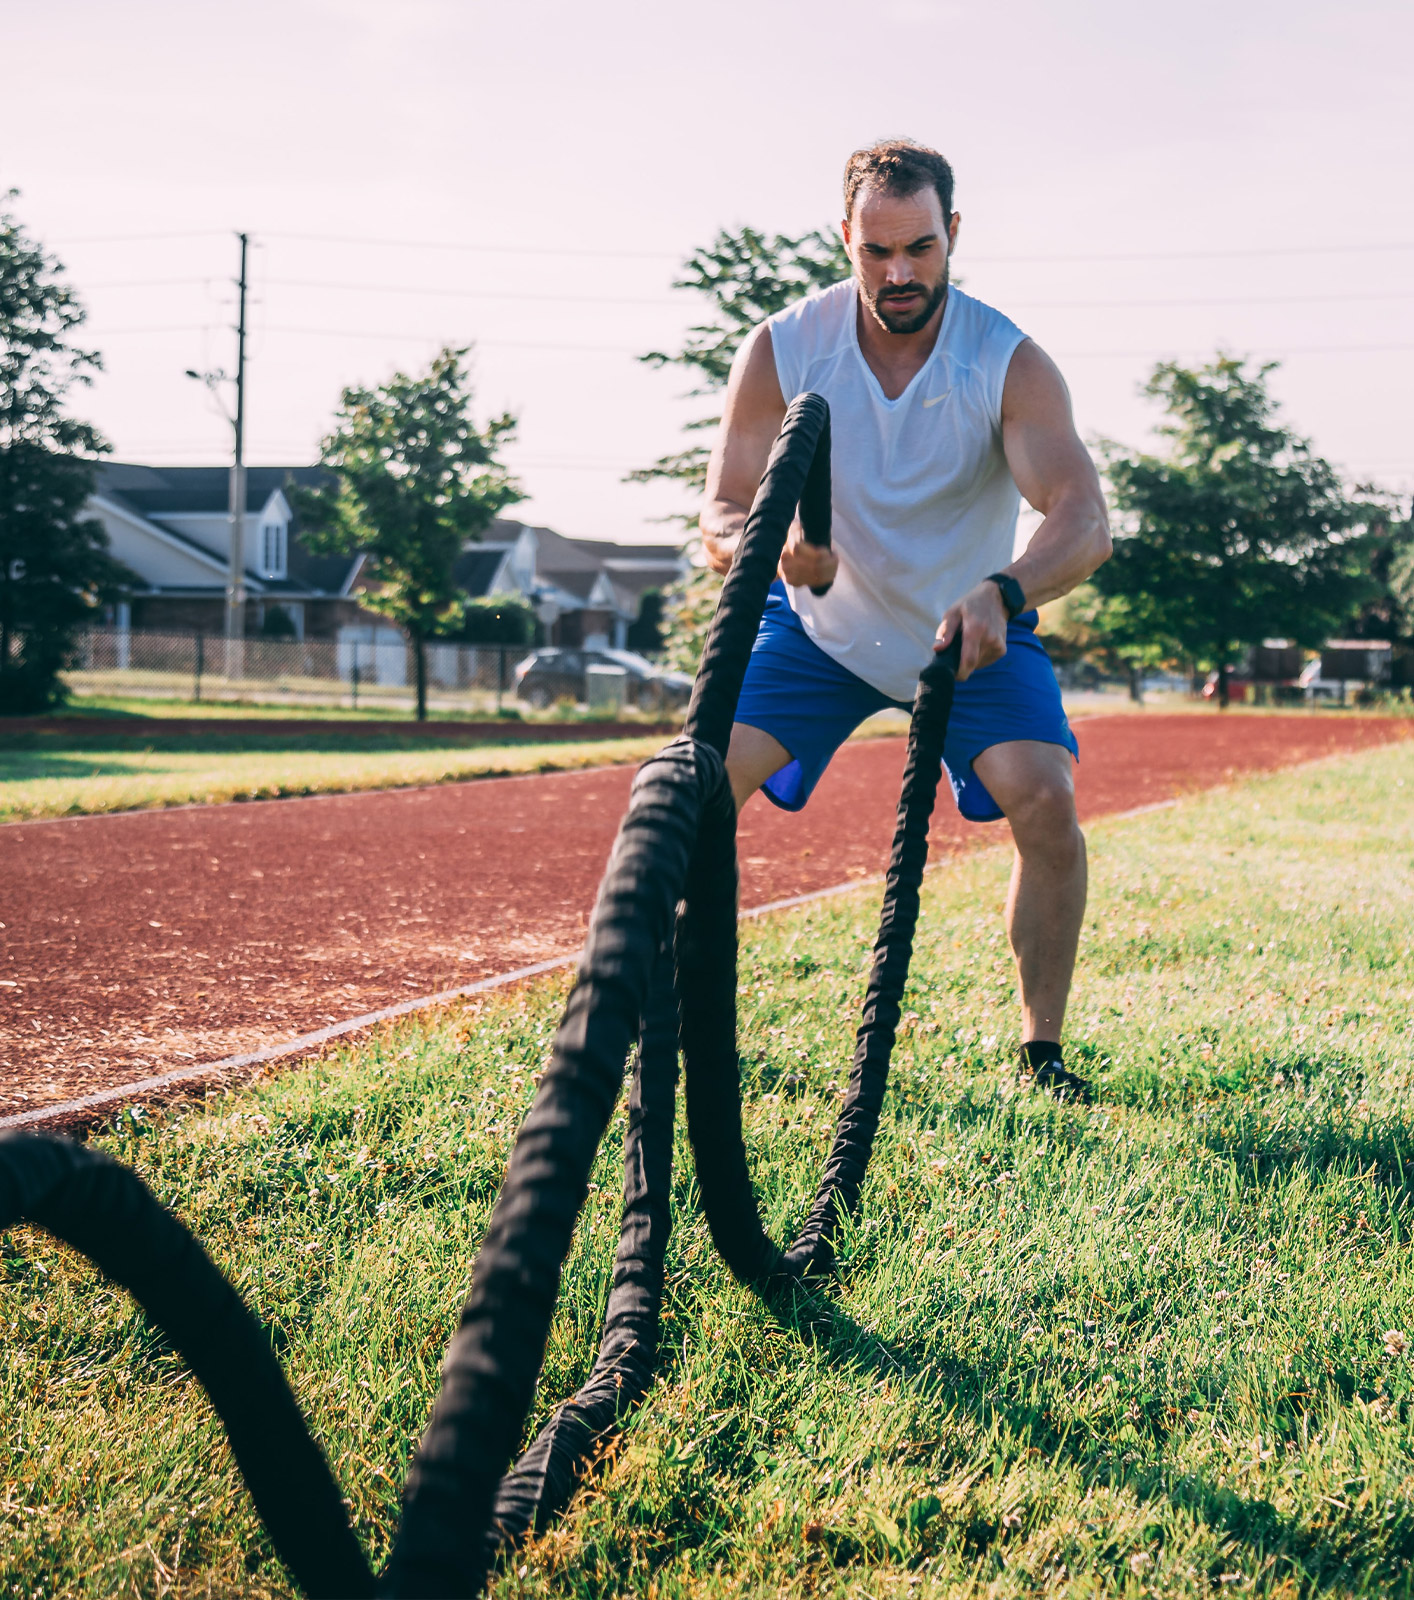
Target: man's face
899, 245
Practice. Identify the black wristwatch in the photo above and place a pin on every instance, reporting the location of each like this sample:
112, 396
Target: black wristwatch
1013, 597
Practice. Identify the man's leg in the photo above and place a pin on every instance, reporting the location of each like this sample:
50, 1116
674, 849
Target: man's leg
1032, 784
752, 757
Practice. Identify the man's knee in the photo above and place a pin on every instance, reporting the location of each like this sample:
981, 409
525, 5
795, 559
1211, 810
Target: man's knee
1037, 796
1044, 823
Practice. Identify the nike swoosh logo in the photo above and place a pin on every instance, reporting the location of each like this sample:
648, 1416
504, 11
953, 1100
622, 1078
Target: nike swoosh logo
937, 399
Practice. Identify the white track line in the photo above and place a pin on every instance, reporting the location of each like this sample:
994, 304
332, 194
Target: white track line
336, 1030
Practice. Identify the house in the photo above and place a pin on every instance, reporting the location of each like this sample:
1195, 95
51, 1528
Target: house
591, 590
170, 526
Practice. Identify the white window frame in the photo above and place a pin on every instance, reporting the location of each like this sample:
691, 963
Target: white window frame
274, 549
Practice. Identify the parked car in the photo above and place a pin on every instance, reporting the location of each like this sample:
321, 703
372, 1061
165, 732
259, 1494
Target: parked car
557, 673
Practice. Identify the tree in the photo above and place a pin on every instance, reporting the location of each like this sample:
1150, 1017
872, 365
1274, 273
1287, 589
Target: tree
645, 632
1085, 626
54, 563
747, 276
413, 479
1237, 533
498, 619
1389, 612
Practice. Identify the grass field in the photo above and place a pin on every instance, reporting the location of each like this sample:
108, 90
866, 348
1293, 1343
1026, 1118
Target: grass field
1162, 1346
120, 706
52, 775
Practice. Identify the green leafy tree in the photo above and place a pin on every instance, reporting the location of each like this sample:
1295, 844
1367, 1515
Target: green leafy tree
1236, 533
746, 277
1388, 613
412, 480
498, 619
645, 632
54, 563
1088, 627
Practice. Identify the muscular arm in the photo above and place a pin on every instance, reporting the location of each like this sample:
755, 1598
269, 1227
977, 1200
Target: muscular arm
1054, 472
750, 422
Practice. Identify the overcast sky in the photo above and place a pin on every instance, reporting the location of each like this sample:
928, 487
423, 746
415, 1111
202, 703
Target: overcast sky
1135, 181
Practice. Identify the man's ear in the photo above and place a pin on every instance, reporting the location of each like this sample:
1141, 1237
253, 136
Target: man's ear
844, 231
952, 230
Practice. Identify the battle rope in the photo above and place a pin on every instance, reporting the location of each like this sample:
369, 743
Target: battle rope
707, 985
676, 845
106, 1211
543, 1480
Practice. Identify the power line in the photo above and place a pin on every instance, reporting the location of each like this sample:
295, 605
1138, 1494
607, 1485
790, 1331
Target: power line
477, 249
152, 238
367, 333
154, 283
1025, 305
1254, 252
1203, 255
1234, 300
1274, 352
470, 294
613, 349
667, 255
630, 300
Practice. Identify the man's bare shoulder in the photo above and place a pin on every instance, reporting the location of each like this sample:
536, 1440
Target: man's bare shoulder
755, 385
1033, 383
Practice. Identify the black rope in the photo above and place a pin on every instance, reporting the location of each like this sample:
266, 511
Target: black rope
105, 1210
671, 885
541, 1483
712, 709
843, 1178
493, 1361
707, 987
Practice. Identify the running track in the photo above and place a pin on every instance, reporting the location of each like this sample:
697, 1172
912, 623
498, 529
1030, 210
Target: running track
139, 943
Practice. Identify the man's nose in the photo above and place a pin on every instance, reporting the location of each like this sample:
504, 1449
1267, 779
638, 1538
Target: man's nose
900, 269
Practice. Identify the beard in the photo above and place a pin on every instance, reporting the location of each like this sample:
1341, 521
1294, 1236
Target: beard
895, 322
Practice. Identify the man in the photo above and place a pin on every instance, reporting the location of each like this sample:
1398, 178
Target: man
941, 411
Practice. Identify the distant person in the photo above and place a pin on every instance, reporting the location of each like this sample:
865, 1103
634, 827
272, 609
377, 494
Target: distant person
941, 411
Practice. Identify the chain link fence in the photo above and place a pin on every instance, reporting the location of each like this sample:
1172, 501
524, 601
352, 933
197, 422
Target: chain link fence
373, 667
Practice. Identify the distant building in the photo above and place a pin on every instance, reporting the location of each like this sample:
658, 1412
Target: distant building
171, 528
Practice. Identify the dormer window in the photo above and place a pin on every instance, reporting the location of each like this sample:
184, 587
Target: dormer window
274, 549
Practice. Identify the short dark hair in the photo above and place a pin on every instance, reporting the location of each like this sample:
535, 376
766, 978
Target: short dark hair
898, 167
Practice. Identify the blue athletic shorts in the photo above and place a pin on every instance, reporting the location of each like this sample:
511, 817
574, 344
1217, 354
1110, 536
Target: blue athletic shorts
811, 704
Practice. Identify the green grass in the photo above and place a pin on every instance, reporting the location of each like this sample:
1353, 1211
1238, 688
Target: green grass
121, 706
1145, 1348
55, 775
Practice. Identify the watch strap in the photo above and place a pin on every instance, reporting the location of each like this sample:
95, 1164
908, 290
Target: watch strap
1013, 595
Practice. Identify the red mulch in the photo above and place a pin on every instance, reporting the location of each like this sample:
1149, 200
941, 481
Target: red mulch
151, 940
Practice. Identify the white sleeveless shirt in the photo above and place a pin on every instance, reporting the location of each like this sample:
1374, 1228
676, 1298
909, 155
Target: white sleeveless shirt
924, 503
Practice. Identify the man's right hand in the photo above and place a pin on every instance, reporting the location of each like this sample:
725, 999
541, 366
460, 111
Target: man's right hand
804, 565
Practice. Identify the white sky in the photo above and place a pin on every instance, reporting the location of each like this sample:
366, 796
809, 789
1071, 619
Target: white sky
1135, 181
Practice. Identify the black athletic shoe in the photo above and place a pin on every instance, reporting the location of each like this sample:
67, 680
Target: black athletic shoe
1052, 1076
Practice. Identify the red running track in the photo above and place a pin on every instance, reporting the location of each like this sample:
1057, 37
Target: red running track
143, 942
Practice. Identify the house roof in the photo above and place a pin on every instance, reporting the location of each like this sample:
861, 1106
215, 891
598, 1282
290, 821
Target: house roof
476, 567
171, 491
573, 565
157, 492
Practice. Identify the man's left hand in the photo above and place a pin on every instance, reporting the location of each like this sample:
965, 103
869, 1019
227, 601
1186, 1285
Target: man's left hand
982, 617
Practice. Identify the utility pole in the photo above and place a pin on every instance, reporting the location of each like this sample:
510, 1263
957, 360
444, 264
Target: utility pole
235, 581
